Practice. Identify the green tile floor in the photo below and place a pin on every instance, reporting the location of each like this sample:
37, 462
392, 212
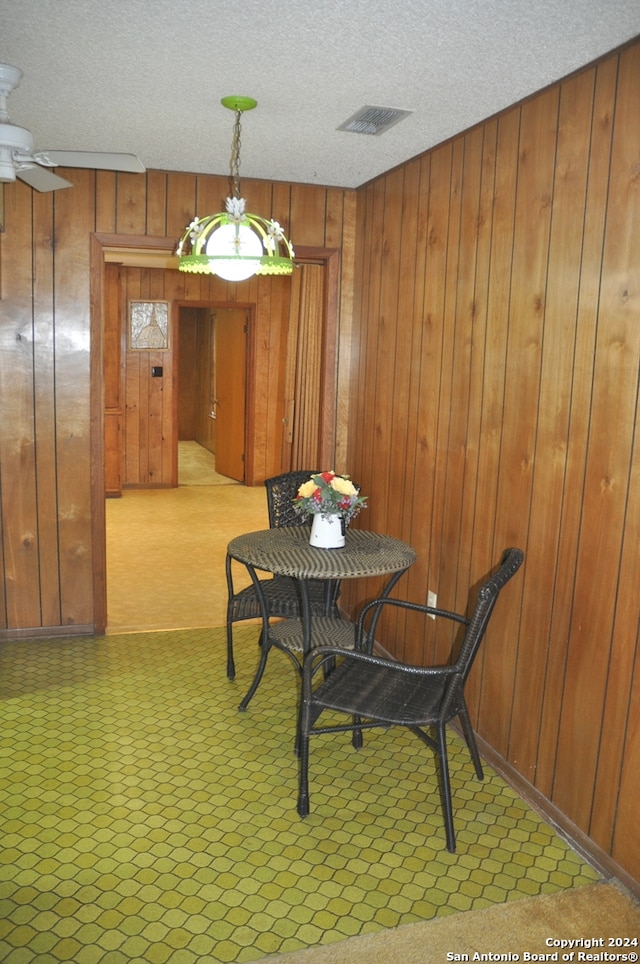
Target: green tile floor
144, 819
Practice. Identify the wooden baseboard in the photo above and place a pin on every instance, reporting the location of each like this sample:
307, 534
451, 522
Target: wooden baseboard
565, 828
46, 632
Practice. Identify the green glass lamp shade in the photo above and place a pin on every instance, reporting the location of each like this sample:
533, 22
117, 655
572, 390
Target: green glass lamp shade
235, 248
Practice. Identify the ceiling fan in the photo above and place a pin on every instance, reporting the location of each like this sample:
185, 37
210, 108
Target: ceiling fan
18, 158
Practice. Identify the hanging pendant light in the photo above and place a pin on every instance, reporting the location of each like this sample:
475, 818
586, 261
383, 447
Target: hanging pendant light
233, 243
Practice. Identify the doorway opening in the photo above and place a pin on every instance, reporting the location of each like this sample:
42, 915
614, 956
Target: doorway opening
266, 416
212, 385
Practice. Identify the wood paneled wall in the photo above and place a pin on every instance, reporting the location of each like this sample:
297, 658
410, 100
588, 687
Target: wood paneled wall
50, 491
494, 402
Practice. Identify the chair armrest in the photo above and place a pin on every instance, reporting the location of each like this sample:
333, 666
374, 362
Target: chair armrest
377, 604
316, 658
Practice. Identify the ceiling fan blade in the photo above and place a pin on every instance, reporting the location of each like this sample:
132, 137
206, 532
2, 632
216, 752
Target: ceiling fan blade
42, 179
97, 161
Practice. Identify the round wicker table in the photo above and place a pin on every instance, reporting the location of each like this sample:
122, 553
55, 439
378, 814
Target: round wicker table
285, 551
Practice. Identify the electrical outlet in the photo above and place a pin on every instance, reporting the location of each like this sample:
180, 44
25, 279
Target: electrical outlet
432, 600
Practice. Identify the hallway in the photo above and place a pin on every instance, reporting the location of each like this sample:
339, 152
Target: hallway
166, 547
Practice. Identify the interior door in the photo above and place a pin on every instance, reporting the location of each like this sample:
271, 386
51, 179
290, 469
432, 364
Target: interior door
230, 328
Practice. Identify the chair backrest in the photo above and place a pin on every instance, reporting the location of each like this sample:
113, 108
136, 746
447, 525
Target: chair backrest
281, 491
487, 597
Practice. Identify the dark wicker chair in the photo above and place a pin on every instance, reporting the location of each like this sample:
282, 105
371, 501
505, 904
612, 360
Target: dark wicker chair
281, 491
382, 692
280, 593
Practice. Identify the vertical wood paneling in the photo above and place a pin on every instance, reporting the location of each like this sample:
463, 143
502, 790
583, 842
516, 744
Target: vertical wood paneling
353, 376
623, 827
133, 442
74, 221
304, 392
180, 202
131, 208
451, 402
475, 510
520, 423
619, 758
402, 409
477, 190
210, 196
381, 382
157, 210
431, 375
417, 198
112, 376
106, 201
307, 216
275, 305
609, 463
492, 417
264, 368
17, 438
524, 318
281, 207
558, 352
45, 410
365, 404
363, 465
599, 161
424, 575
344, 239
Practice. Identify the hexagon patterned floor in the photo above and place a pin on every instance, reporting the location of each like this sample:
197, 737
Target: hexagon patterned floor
144, 819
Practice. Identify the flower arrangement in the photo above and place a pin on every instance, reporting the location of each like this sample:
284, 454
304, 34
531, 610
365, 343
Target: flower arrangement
329, 494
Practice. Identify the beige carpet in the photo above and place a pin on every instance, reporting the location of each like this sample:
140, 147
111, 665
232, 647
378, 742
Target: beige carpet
597, 912
197, 466
166, 551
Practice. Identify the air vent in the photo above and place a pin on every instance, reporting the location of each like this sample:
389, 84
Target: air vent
373, 120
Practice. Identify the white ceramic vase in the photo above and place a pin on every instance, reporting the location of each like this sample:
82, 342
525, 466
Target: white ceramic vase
327, 532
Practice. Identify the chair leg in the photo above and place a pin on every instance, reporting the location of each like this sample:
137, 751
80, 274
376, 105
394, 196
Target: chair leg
231, 666
328, 667
445, 789
264, 652
356, 738
302, 742
469, 736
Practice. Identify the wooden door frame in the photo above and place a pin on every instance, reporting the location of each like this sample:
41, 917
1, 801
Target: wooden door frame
158, 248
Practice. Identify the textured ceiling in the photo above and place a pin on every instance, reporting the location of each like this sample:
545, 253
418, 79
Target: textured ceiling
146, 76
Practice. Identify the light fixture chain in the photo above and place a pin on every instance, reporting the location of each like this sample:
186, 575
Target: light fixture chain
234, 166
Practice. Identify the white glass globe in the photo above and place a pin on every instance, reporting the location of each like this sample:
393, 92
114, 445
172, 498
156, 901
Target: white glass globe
226, 244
